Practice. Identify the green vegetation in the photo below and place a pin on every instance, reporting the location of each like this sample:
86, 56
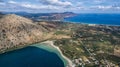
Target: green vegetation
95, 44
59, 32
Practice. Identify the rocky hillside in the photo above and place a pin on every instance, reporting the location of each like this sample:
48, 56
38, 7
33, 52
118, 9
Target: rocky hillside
17, 31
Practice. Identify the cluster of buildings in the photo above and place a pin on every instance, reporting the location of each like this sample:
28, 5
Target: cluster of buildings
83, 61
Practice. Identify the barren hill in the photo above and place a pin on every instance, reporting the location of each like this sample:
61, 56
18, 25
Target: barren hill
17, 31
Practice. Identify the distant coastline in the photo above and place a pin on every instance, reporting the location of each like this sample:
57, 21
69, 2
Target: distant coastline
90, 23
98, 19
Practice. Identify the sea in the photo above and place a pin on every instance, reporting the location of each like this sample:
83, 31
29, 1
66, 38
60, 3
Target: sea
37, 55
105, 19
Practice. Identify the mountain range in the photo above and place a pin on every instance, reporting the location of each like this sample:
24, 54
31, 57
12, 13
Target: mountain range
44, 16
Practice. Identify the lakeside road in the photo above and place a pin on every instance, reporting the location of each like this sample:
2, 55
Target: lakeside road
51, 43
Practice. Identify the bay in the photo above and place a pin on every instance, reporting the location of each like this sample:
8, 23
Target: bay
31, 56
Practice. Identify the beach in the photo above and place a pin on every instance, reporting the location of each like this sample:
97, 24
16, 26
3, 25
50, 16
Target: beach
51, 43
49, 46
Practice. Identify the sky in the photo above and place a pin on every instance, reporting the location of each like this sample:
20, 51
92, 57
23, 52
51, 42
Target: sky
48, 6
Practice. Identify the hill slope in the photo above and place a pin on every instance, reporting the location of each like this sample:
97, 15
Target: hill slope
17, 31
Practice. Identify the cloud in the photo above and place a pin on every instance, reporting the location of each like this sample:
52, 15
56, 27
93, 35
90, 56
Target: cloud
31, 6
1, 3
104, 7
12, 2
60, 5
56, 2
40, 6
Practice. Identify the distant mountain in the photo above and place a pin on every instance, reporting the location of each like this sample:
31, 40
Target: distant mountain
44, 16
57, 16
1, 14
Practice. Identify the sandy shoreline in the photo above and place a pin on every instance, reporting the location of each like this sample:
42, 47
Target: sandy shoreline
51, 43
